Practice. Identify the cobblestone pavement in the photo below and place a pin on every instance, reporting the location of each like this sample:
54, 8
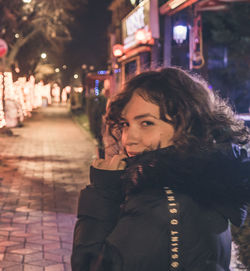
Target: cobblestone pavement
42, 169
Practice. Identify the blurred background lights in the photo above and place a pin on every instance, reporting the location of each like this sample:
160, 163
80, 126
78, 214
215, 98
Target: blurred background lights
16, 35
17, 70
78, 89
102, 72
76, 76
118, 50
97, 92
26, 1
141, 36
57, 69
64, 67
68, 89
26, 91
43, 55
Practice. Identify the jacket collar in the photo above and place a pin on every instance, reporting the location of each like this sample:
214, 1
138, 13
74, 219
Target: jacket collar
216, 177
208, 175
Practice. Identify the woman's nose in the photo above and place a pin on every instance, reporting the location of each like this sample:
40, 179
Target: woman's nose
130, 136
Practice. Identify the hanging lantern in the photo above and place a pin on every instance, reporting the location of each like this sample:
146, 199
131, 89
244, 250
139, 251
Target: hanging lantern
118, 50
3, 48
179, 32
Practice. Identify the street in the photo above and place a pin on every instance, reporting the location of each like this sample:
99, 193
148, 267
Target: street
43, 167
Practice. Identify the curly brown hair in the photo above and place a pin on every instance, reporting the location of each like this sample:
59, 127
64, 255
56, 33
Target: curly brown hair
199, 116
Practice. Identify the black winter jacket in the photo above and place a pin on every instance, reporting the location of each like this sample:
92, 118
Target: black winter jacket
167, 211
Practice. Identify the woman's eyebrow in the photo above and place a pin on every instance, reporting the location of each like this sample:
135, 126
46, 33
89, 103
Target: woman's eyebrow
140, 117
144, 116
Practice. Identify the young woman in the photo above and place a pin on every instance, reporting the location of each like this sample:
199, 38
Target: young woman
166, 201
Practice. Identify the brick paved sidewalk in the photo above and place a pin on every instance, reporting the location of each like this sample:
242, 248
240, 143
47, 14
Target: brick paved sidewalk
42, 169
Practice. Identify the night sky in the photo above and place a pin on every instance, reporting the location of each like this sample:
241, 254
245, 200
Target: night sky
89, 33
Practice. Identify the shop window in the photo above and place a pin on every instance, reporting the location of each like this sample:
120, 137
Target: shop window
130, 69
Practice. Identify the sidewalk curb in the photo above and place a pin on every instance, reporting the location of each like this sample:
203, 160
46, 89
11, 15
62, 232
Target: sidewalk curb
83, 130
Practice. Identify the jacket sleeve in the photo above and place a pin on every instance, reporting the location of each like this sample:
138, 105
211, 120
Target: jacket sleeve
98, 211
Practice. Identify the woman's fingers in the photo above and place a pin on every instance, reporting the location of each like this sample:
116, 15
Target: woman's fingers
115, 163
96, 163
122, 165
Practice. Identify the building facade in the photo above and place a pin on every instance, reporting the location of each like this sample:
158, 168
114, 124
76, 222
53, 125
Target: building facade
148, 34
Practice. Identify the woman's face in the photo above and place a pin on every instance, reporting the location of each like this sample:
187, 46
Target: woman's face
142, 128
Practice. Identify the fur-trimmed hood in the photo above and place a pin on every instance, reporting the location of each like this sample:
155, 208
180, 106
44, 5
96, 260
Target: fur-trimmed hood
215, 176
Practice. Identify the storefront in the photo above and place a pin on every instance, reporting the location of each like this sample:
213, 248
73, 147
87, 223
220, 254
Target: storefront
140, 33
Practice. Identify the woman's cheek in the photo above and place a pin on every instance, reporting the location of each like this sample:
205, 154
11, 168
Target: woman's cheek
165, 140
152, 142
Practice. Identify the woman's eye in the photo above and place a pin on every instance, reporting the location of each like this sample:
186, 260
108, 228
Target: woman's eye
147, 123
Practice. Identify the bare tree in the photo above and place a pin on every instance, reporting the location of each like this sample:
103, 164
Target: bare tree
35, 24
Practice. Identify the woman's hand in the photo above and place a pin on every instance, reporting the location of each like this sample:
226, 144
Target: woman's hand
114, 163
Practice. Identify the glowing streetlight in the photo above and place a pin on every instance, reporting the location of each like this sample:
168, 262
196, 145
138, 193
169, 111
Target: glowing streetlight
27, 1
17, 36
76, 76
91, 67
64, 67
57, 69
43, 55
